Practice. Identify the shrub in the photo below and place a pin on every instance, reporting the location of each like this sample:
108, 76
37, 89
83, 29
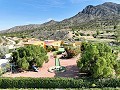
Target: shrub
57, 83
108, 31
72, 51
73, 36
76, 34
48, 48
16, 41
77, 39
88, 34
94, 35
58, 52
46, 59
97, 32
82, 34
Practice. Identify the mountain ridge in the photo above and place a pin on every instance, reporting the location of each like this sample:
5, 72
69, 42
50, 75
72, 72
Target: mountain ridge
90, 17
90, 12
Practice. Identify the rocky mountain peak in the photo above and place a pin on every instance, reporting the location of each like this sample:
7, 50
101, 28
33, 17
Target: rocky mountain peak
88, 9
51, 22
105, 9
109, 4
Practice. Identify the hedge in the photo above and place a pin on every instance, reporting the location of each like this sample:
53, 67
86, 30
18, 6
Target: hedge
67, 89
57, 83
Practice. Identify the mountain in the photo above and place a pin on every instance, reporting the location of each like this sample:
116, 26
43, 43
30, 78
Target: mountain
91, 17
107, 10
30, 26
51, 22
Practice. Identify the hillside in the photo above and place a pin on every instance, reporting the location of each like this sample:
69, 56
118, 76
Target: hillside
101, 17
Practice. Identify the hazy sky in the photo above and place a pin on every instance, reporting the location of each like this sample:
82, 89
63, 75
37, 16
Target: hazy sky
22, 12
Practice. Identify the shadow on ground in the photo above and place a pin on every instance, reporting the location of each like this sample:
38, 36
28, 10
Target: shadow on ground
71, 71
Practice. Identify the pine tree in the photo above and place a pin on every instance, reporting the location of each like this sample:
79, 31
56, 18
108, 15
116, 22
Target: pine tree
97, 60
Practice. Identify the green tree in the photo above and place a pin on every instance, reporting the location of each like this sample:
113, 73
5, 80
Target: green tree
72, 51
97, 32
16, 41
117, 34
25, 64
25, 56
115, 27
97, 60
3, 50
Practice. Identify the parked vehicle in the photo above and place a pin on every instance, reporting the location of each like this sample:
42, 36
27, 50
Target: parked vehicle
35, 68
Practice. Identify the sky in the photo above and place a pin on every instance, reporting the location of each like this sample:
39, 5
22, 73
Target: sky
23, 12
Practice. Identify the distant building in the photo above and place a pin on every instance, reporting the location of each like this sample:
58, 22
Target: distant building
77, 43
11, 46
4, 65
8, 56
55, 44
3, 62
52, 43
41, 43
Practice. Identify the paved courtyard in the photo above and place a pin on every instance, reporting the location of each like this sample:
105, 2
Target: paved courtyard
70, 64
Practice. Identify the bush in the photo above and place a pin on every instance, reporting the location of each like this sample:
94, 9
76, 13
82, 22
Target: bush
82, 34
76, 34
48, 48
107, 31
77, 39
57, 83
94, 35
97, 32
58, 52
72, 51
46, 59
88, 34
16, 41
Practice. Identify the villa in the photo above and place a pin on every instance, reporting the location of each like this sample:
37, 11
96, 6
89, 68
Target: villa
41, 43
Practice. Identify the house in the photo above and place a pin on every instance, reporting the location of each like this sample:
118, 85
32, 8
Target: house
8, 56
41, 43
77, 43
3, 62
52, 43
4, 65
55, 44
10, 46
58, 44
